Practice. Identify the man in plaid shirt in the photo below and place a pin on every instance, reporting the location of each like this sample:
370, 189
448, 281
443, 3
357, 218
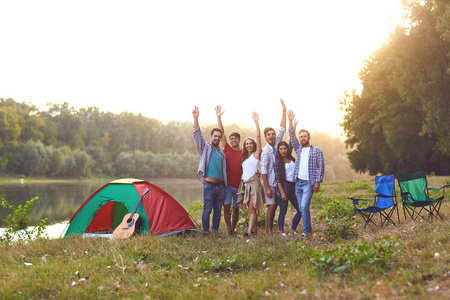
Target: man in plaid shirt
267, 170
308, 172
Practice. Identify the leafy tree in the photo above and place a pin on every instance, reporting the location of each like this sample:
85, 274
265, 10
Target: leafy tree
99, 159
56, 160
125, 165
83, 163
400, 121
34, 160
68, 123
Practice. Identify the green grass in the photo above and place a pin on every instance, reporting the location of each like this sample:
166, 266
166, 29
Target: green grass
220, 267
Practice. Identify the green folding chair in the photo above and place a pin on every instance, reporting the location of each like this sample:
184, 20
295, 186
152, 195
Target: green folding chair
415, 197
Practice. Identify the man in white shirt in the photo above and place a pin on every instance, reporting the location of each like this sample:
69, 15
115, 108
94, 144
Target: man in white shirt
308, 172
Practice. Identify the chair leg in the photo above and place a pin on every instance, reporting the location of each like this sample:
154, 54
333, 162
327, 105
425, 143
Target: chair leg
409, 210
437, 208
368, 219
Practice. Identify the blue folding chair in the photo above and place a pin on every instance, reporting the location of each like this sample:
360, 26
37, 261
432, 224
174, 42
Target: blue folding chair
384, 203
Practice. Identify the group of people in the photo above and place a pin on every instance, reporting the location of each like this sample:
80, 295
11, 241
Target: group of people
231, 176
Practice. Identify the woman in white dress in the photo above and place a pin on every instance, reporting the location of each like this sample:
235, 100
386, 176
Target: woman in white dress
251, 192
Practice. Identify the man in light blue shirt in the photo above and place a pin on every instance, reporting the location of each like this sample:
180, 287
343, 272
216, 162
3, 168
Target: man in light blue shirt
212, 173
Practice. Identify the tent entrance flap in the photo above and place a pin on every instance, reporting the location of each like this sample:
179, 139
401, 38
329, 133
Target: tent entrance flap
119, 212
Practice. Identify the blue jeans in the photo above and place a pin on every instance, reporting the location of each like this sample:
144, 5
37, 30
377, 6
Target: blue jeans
230, 196
304, 192
290, 195
213, 197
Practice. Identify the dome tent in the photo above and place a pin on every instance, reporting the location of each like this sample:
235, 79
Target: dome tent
104, 210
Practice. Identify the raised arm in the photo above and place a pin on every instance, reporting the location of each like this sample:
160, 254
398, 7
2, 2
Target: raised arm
219, 114
283, 116
291, 117
258, 136
282, 129
195, 114
292, 138
198, 137
291, 147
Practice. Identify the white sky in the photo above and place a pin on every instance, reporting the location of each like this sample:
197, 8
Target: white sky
160, 58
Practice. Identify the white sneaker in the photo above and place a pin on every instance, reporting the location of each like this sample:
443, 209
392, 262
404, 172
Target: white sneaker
295, 234
284, 235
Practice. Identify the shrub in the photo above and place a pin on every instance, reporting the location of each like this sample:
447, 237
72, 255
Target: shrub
339, 215
261, 220
374, 256
17, 223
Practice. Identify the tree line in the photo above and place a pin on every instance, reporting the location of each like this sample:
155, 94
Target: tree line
400, 122
62, 142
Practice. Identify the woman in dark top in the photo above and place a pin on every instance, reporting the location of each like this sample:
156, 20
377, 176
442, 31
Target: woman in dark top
285, 189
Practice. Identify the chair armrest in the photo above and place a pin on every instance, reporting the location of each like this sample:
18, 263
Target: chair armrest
433, 188
356, 201
384, 196
438, 188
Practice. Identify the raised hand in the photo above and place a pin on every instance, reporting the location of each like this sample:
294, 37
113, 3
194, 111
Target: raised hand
295, 124
195, 112
255, 117
219, 111
291, 115
283, 105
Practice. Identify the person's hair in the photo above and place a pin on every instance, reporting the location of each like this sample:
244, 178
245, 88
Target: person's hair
281, 161
216, 129
245, 153
304, 130
237, 135
267, 130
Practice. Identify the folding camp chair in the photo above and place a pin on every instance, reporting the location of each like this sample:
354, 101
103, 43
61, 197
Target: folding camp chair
415, 197
384, 203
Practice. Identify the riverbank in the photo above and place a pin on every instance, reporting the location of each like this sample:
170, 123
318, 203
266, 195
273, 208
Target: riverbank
156, 181
410, 260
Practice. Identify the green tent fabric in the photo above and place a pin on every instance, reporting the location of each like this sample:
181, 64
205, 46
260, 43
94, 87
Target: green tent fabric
122, 193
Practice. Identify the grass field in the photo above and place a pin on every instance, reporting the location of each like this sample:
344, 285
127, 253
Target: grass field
408, 261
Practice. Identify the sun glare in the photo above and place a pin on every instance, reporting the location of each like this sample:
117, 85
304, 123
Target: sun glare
161, 59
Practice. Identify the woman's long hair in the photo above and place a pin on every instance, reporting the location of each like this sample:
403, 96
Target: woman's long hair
281, 161
245, 153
